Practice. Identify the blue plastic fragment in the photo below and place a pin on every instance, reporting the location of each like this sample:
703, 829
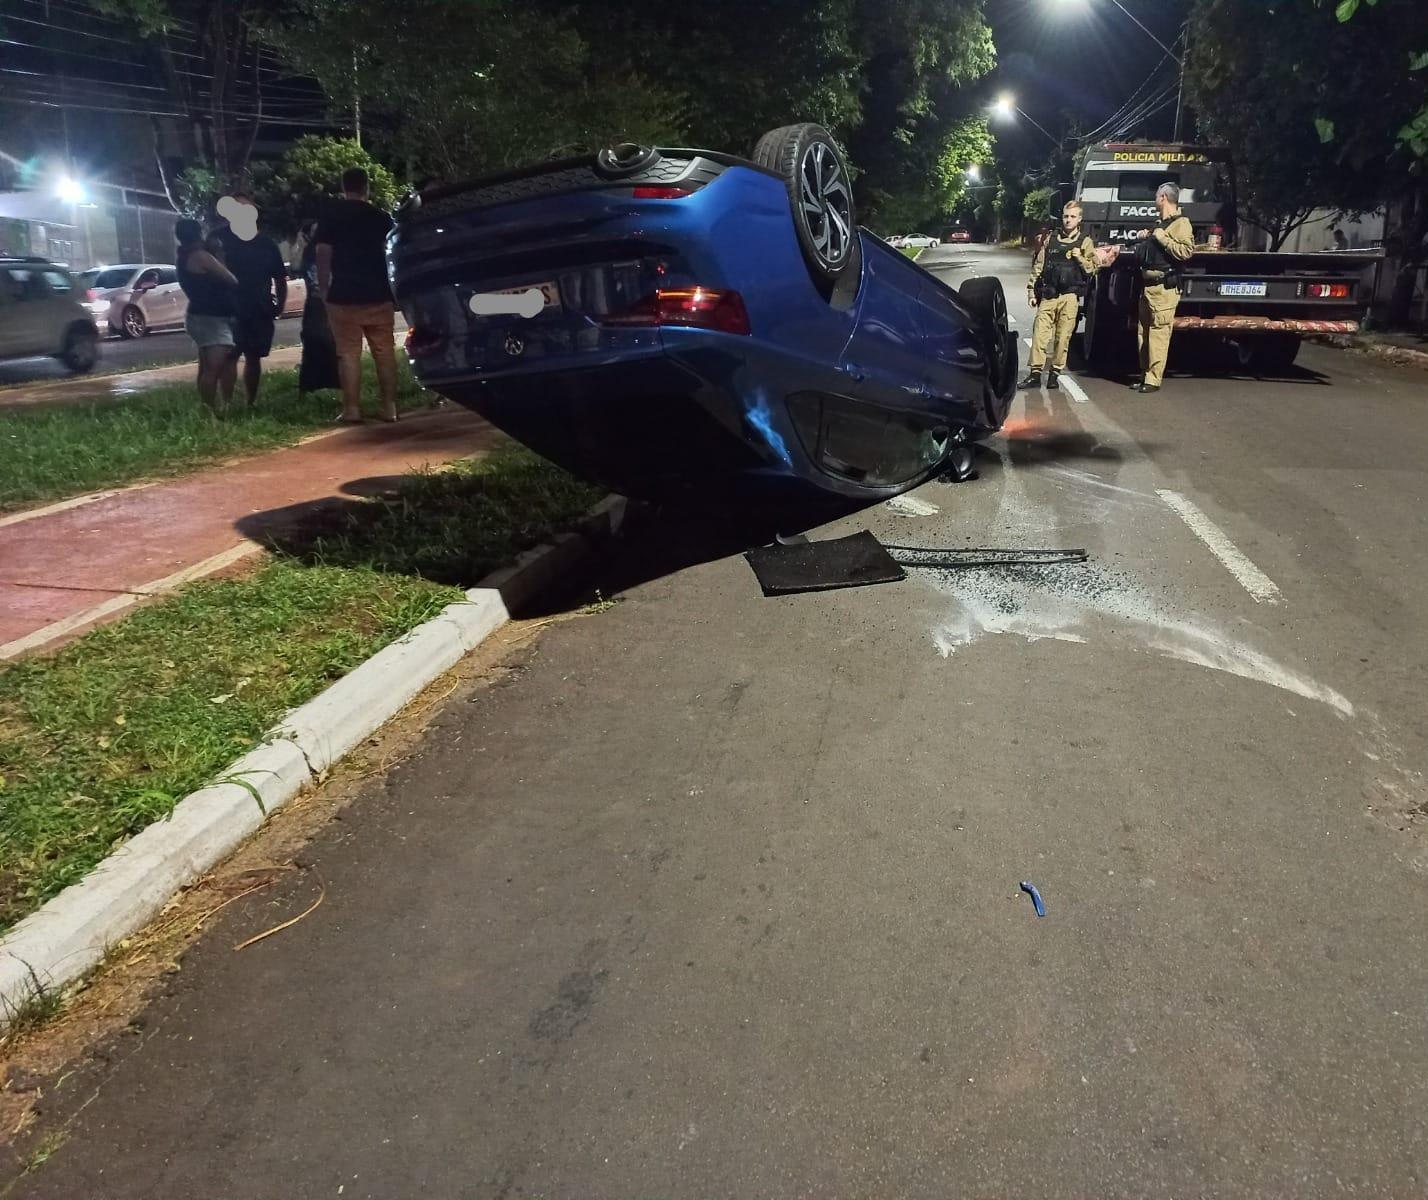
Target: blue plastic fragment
1030, 890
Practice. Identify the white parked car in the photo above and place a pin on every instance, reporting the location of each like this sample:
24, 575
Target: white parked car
133, 298
895, 240
919, 241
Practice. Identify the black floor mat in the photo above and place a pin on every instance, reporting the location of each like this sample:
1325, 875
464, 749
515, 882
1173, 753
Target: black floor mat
851, 561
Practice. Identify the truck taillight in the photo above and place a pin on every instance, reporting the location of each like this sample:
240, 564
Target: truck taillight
1217, 237
696, 307
1329, 291
662, 193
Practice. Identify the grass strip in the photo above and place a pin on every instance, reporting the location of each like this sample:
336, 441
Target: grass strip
103, 737
50, 452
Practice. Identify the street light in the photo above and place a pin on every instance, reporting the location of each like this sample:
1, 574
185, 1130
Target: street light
1005, 106
70, 190
1082, 4
974, 173
1179, 62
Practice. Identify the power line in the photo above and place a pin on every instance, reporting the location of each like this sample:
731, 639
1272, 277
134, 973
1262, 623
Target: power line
1120, 112
50, 101
1161, 102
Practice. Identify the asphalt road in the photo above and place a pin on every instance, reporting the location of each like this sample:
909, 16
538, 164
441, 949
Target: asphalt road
717, 895
117, 355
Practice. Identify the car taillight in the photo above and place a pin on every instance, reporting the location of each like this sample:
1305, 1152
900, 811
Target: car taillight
696, 307
91, 295
1329, 291
1217, 237
423, 341
662, 193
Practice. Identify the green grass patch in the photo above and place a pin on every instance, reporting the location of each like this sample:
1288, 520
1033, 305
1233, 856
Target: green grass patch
911, 251
54, 451
453, 525
104, 737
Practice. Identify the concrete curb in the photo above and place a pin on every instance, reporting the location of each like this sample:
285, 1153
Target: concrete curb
1402, 355
72, 933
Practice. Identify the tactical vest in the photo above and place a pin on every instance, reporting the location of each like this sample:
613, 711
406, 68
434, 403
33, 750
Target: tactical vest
1155, 257
1061, 271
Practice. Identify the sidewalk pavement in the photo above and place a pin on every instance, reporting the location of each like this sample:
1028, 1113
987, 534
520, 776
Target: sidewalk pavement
70, 565
88, 388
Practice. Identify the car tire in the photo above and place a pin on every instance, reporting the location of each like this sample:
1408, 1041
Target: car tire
81, 349
820, 194
987, 302
132, 322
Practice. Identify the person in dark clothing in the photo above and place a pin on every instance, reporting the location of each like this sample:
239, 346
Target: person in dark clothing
210, 288
352, 279
256, 261
318, 368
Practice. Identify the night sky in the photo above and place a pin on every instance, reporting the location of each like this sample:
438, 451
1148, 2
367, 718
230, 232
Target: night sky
1078, 58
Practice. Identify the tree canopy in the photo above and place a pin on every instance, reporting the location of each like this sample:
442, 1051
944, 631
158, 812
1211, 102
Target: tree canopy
1310, 105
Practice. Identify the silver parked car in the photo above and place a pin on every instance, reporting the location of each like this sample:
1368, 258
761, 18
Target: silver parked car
41, 314
132, 298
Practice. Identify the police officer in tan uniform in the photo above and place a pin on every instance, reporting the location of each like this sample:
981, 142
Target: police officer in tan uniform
1059, 274
1167, 245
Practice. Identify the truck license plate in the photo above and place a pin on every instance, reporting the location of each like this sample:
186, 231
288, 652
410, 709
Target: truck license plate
1243, 289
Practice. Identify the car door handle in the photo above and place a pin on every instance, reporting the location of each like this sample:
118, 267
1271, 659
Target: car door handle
855, 371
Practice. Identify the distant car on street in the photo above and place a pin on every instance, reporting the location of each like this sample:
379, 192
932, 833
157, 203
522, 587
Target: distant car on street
693, 325
958, 235
132, 300
919, 241
41, 313
895, 240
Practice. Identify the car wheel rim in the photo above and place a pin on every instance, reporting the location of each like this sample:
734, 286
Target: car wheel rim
827, 203
133, 324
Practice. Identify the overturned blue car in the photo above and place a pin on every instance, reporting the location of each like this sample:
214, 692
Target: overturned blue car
688, 324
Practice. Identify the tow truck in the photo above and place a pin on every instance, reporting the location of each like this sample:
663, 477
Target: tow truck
1258, 305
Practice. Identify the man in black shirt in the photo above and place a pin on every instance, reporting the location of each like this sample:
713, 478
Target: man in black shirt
256, 261
352, 278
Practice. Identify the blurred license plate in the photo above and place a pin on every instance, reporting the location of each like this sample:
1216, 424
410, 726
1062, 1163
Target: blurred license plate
1243, 289
549, 291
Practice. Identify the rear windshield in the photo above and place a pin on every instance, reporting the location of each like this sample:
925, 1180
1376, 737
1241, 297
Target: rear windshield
112, 277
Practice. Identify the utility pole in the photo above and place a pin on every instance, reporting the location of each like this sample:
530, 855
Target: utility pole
1180, 91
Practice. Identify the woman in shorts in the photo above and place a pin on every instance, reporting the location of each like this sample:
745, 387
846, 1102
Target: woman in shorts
210, 288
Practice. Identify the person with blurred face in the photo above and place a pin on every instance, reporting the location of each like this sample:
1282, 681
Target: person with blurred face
257, 263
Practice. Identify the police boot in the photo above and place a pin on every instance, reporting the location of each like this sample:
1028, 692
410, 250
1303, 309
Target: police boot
1052, 380
1033, 379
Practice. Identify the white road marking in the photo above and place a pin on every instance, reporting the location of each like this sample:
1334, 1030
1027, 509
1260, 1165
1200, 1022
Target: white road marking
1073, 389
1251, 578
1028, 342
158, 587
911, 506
